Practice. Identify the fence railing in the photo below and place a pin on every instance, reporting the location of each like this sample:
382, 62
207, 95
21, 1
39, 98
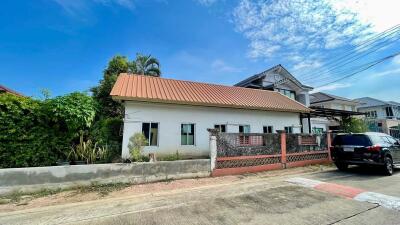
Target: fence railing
251, 152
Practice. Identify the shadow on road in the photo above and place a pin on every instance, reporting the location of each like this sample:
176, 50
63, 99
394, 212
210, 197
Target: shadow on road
354, 173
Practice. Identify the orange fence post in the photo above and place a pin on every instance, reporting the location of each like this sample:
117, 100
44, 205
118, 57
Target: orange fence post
283, 149
328, 140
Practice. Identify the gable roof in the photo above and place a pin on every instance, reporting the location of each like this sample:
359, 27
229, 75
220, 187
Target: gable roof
264, 73
8, 90
325, 97
162, 90
366, 102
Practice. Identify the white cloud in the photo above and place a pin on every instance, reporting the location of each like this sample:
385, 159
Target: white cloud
386, 73
221, 66
396, 60
206, 2
81, 8
294, 26
331, 87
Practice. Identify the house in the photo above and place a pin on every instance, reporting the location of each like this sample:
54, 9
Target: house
4, 89
382, 116
280, 80
329, 101
174, 115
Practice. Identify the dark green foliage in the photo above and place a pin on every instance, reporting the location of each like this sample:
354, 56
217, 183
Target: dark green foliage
354, 125
106, 132
38, 133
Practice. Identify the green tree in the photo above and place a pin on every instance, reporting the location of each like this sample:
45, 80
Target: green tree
76, 111
143, 64
354, 125
147, 65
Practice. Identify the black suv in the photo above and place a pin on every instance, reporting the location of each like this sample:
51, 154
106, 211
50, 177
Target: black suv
366, 149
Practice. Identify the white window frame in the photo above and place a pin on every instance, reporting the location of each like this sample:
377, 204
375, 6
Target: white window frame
194, 133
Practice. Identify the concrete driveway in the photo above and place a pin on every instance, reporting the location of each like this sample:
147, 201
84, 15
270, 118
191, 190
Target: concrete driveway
254, 199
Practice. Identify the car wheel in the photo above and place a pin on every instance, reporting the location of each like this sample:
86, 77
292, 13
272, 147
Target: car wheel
342, 166
388, 167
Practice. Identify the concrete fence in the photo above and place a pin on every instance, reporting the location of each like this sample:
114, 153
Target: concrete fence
36, 178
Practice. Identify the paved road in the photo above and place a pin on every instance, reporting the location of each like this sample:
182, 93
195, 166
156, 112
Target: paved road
253, 200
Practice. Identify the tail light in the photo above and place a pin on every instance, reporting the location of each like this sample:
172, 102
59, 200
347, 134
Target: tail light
374, 148
331, 148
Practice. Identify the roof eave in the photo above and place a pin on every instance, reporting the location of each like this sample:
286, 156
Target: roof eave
123, 98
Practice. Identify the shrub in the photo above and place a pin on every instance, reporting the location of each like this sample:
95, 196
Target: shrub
26, 139
135, 146
106, 132
38, 133
354, 125
87, 151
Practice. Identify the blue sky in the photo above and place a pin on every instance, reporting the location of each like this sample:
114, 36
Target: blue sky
64, 45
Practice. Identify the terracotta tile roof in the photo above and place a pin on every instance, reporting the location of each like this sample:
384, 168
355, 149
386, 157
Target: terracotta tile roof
154, 89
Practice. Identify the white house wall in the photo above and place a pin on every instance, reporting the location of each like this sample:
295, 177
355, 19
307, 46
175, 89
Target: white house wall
171, 116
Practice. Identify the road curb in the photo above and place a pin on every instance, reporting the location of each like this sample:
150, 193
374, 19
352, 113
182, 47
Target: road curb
387, 201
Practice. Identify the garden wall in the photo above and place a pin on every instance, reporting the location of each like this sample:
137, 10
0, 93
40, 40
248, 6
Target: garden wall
36, 178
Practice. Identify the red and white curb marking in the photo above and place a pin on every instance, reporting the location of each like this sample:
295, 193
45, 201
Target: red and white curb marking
357, 194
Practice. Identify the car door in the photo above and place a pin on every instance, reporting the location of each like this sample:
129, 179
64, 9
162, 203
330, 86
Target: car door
395, 149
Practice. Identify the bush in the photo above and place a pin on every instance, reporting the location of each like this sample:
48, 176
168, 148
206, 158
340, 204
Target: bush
38, 133
26, 139
354, 125
135, 146
106, 132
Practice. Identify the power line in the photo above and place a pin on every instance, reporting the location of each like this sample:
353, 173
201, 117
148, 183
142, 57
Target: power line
358, 49
344, 61
374, 63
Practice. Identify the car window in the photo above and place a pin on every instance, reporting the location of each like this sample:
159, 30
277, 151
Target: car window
352, 139
378, 140
391, 139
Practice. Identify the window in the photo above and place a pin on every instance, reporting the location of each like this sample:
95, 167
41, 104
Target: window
244, 128
187, 134
220, 127
150, 131
389, 112
289, 130
267, 129
288, 93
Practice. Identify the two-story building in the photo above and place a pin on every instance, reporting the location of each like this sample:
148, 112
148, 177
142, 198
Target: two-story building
382, 116
280, 80
328, 101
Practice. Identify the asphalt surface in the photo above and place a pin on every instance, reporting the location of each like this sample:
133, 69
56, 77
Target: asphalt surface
252, 200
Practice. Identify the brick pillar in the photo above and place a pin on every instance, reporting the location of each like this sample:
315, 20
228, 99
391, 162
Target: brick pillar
283, 149
328, 144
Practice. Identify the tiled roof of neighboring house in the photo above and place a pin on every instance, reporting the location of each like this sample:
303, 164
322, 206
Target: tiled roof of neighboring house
8, 90
154, 89
324, 97
366, 102
262, 74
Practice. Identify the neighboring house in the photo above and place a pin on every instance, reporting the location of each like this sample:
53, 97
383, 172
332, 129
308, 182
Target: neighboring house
174, 115
4, 89
329, 101
279, 79
383, 116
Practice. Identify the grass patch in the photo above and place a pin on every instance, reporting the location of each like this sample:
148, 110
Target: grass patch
20, 197
101, 189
